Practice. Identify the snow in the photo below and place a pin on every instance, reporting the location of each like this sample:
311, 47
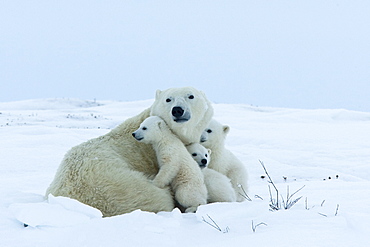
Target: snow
56, 211
298, 147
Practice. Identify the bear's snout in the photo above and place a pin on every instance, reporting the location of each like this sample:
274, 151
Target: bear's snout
180, 115
177, 111
137, 137
204, 161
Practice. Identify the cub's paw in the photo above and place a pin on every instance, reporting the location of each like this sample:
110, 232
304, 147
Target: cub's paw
159, 183
191, 209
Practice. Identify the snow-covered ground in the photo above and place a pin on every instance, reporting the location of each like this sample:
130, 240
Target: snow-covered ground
327, 151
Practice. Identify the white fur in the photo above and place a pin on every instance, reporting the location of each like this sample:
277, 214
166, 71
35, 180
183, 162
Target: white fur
113, 172
177, 168
218, 185
197, 109
223, 160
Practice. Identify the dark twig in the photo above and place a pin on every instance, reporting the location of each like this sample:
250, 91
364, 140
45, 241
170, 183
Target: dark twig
214, 225
323, 214
297, 191
336, 211
257, 196
289, 203
245, 195
254, 227
274, 204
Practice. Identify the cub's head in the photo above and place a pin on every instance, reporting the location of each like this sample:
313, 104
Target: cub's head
200, 154
214, 135
186, 111
150, 130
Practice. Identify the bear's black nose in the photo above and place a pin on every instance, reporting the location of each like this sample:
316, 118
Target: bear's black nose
177, 111
133, 134
204, 161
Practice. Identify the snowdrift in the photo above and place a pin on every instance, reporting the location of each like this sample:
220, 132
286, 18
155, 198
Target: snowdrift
326, 151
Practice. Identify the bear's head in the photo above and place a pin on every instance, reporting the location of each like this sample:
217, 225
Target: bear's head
150, 130
214, 135
186, 111
200, 154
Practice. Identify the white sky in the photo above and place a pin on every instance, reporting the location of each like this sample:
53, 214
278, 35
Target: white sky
299, 54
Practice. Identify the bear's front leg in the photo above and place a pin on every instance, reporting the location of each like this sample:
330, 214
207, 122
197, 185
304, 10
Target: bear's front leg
165, 175
238, 178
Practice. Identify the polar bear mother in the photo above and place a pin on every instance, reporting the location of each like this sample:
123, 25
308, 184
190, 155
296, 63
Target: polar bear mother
113, 172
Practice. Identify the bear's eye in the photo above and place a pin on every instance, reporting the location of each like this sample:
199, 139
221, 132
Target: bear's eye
194, 154
209, 131
206, 155
144, 128
191, 97
168, 100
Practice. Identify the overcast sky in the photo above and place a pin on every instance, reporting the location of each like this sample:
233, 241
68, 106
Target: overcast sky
297, 54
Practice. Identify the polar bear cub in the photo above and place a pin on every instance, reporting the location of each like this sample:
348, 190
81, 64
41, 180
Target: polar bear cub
218, 185
223, 160
176, 166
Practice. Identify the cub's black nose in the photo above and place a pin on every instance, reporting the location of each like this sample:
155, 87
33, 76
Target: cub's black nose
204, 161
177, 111
133, 134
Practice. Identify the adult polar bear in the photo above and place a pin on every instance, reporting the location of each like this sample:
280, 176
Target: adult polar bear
113, 172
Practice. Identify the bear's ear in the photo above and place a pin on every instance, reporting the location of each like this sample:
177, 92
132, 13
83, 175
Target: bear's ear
159, 125
157, 94
162, 125
226, 129
203, 94
209, 151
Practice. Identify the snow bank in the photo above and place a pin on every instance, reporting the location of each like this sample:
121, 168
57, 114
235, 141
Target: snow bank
327, 151
56, 211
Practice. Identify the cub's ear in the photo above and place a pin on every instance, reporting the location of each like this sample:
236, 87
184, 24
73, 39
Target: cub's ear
226, 129
159, 125
157, 94
203, 94
209, 151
